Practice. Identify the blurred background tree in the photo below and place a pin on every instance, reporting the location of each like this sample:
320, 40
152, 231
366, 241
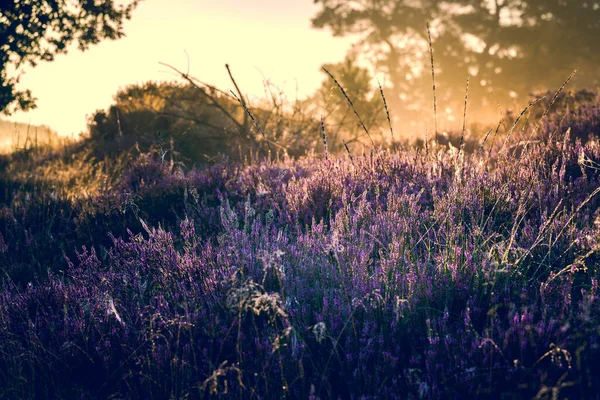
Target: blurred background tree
511, 48
38, 30
340, 121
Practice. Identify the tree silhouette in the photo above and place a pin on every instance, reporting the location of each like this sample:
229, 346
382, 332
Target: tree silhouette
201, 121
37, 30
510, 47
143, 113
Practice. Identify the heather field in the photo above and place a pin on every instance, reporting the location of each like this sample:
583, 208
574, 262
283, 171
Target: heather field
440, 271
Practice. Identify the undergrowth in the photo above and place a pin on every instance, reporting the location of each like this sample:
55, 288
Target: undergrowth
446, 271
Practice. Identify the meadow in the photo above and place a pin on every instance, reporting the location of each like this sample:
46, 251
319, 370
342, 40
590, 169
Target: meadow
403, 272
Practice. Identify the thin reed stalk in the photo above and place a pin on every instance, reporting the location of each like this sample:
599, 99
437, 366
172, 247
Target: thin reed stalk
462, 136
348, 150
387, 112
324, 138
351, 106
433, 80
518, 119
485, 138
558, 92
494, 136
253, 120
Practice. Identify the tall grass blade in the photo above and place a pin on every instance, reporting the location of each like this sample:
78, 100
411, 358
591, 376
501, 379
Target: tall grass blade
253, 119
518, 119
324, 137
462, 136
554, 100
495, 134
351, 106
433, 80
348, 150
387, 112
485, 139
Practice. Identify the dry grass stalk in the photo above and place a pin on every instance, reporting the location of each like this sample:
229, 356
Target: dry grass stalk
462, 136
484, 139
387, 112
348, 150
495, 134
554, 100
253, 120
558, 92
324, 137
351, 106
433, 80
518, 119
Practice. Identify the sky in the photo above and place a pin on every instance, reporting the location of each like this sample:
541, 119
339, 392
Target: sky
273, 38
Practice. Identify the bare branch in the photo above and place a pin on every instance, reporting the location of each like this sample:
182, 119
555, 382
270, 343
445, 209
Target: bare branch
241, 99
214, 102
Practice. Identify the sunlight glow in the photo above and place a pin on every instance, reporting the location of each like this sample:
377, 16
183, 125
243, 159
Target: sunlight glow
269, 38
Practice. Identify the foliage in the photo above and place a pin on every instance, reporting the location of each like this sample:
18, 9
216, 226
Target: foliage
399, 274
152, 113
34, 30
510, 47
199, 121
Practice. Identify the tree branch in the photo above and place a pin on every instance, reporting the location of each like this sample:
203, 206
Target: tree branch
241, 128
241, 99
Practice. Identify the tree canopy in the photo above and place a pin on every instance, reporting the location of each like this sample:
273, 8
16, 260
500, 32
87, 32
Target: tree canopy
509, 47
37, 30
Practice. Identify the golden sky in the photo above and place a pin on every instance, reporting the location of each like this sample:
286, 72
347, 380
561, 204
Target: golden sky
253, 36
